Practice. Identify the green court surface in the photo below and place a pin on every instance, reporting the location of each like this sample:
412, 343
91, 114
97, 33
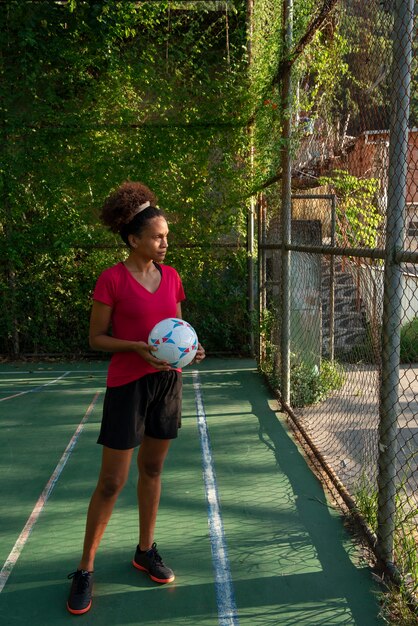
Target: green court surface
243, 521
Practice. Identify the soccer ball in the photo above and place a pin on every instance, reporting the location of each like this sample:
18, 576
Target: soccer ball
175, 340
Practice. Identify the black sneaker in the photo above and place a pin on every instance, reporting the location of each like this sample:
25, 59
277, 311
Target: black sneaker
151, 562
79, 600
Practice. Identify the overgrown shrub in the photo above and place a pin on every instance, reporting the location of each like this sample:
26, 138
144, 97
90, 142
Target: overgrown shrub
309, 385
409, 342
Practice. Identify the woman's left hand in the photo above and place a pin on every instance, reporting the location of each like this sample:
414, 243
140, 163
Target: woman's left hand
200, 354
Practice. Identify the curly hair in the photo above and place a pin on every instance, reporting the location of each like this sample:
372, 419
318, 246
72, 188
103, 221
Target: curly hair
122, 205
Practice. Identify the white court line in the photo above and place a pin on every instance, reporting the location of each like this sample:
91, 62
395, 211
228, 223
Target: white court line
47, 372
42, 500
61, 391
35, 389
227, 610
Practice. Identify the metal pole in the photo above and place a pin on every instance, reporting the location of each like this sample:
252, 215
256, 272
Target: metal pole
264, 207
392, 302
260, 284
250, 217
286, 213
372, 253
262, 301
250, 271
332, 285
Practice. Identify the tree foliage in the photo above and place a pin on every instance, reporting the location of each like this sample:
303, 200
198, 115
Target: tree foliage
358, 220
94, 93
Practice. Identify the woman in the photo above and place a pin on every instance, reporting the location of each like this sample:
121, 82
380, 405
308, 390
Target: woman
142, 405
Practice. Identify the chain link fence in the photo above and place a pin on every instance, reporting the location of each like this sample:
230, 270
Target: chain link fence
337, 259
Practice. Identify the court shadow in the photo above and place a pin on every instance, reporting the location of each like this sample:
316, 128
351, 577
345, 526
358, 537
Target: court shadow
340, 577
122, 597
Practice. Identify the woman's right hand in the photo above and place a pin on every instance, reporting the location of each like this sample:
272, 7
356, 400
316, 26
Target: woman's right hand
145, 351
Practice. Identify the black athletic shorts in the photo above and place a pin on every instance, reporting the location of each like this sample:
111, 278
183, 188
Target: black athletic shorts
150, 405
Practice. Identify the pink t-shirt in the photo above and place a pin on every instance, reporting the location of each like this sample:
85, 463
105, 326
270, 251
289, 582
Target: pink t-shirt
135, 311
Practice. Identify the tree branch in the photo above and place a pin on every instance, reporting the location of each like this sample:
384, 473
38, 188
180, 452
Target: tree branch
314, 26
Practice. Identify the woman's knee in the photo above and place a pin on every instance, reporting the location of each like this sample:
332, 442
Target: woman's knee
110, 486
114, 471
151, 469
151, 456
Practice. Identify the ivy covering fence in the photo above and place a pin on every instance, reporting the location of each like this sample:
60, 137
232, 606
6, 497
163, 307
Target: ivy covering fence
95, 93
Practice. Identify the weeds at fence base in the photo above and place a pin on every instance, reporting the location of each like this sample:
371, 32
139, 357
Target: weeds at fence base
395, 607
399, 601
365, 496
308, 384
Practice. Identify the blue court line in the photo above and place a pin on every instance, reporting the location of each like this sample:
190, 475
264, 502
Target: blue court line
227, 610
35, 389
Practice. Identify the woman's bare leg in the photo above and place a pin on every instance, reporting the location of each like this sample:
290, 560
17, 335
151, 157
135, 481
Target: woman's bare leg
113, 475
151, 457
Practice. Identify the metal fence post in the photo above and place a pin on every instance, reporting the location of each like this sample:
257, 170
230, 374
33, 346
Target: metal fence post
286, 214
392, 303
262, 279
332, 283
251, 212
250, 272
